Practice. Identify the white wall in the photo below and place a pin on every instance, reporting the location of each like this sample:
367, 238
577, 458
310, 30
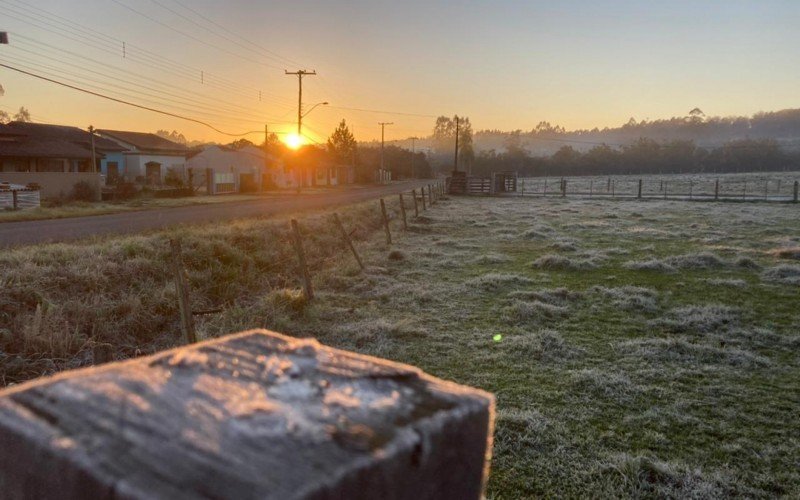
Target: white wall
135, 164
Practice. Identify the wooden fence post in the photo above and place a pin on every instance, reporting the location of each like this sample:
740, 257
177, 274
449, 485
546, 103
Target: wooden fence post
796, 188
716, 190
416, 208
308, 290
403, 211
14, 199
182, 289
744, 191
766, 189
613, 187
422, 192
347, 239
639, 194
430, 195
386, 223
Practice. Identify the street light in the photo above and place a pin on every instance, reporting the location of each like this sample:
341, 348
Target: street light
312, 108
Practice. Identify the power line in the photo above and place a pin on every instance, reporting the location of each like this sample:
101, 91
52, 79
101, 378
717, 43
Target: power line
192, 37
400, 113
128, 103
170, 95
88, 37
287, 60
134, 94
268, 54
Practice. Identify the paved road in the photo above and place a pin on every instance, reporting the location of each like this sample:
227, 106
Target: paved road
53, 230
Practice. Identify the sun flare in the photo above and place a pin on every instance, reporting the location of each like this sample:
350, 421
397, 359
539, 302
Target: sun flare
293, 141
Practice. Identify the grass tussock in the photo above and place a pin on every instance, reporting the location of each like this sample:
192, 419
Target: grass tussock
694, 354
654, 265
630, 298
544, 345
496, 281
711, 318
648, 477
784, 274
562, 263
528, 312
591, 383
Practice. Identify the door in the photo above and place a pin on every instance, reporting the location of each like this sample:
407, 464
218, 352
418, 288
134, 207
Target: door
152, 173
112, 172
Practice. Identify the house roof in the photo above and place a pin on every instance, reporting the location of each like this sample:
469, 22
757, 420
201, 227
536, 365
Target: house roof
144, 141
42, 132
44, 149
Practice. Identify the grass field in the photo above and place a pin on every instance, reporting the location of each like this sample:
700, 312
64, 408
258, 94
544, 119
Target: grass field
635, 348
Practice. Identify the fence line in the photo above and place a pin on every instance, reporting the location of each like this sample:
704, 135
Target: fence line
667, 189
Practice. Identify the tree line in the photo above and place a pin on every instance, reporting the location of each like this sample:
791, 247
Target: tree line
643, 156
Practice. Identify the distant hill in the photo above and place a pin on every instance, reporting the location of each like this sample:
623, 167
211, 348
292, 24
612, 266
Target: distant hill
708, 132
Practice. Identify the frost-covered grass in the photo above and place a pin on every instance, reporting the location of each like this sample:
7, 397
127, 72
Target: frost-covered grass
668, 367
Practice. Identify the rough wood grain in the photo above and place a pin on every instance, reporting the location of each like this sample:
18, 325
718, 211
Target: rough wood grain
252, 415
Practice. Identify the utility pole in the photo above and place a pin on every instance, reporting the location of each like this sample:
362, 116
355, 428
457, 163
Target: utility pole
455, 162
94, 160
383, 127
300, 74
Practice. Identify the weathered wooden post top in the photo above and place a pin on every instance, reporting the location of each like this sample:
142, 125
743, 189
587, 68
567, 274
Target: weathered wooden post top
251, 415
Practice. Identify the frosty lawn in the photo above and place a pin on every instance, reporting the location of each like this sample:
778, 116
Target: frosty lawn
635, 348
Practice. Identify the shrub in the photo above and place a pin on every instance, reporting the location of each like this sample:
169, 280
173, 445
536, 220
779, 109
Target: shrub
83, 191
125, 191
173, 179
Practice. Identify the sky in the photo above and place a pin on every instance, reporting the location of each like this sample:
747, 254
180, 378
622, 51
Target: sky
505, 64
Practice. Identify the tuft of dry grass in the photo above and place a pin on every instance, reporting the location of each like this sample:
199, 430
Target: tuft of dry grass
786, 253
710, 318
559, 262
785, 274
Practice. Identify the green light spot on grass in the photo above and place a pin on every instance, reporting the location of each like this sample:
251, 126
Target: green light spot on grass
497, 337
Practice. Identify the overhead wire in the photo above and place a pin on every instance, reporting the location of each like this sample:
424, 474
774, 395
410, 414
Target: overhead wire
88, 36
244, 112
192, 37
128, 103
286, 59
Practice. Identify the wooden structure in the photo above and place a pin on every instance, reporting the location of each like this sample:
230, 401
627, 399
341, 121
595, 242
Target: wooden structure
256, 415
497, 183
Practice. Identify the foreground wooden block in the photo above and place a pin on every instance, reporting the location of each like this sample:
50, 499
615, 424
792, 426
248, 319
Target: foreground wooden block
252, 415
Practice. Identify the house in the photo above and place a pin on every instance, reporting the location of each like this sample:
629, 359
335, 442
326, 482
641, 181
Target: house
146, 158
56, 157
222, 169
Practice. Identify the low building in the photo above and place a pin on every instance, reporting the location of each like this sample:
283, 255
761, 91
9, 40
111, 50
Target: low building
145, 159
222, 169
56, 157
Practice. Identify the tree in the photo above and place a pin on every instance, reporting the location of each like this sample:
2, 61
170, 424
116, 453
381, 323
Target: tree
4, 117
173, 136
23, 115
240, 143
466, 153
342, 144
443, 134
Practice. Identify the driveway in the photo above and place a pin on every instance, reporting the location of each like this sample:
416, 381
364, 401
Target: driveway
69, 229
